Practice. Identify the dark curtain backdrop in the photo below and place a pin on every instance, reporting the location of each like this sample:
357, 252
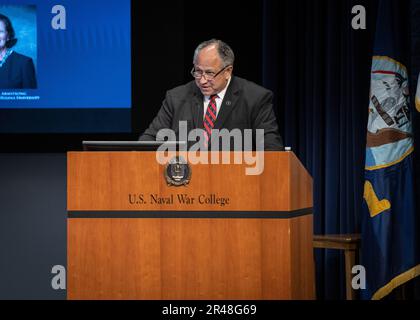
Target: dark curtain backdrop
319, 70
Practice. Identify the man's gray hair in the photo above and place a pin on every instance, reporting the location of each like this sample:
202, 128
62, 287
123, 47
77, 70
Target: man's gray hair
225, 52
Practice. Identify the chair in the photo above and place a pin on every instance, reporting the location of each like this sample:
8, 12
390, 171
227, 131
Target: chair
350, 243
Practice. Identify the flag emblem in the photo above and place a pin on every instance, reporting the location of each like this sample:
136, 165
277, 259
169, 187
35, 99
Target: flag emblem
389, 137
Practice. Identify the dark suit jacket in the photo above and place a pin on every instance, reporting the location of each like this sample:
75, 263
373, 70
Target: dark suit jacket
246, 105
18, 72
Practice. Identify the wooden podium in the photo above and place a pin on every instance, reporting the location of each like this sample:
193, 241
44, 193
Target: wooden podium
225, 235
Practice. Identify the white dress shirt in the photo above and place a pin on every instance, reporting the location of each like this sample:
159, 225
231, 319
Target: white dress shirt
219, 100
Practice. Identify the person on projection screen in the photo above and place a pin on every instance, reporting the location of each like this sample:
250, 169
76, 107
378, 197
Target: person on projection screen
17, 71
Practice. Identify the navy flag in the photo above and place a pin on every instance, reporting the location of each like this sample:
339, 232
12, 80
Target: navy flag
390, 247
418, 95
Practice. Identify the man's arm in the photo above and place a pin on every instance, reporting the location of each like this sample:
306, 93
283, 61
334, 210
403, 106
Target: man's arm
162, 120
266, 119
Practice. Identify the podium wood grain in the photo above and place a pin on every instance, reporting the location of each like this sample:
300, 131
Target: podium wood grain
188, 258
103, 181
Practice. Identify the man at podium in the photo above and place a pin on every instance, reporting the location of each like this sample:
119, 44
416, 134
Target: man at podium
217, 100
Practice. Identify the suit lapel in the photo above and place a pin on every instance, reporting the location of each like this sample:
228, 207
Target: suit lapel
197, 108
228, 104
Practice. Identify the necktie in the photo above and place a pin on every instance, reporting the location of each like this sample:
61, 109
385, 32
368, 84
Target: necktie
210, 118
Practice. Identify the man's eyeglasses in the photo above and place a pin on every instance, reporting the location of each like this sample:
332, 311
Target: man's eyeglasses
208, 75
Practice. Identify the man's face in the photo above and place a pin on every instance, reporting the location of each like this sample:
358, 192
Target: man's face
209, 61
3, 35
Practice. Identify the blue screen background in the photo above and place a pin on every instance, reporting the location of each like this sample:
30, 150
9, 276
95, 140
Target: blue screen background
88, 65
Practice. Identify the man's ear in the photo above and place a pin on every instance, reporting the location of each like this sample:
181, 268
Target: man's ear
230, 70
